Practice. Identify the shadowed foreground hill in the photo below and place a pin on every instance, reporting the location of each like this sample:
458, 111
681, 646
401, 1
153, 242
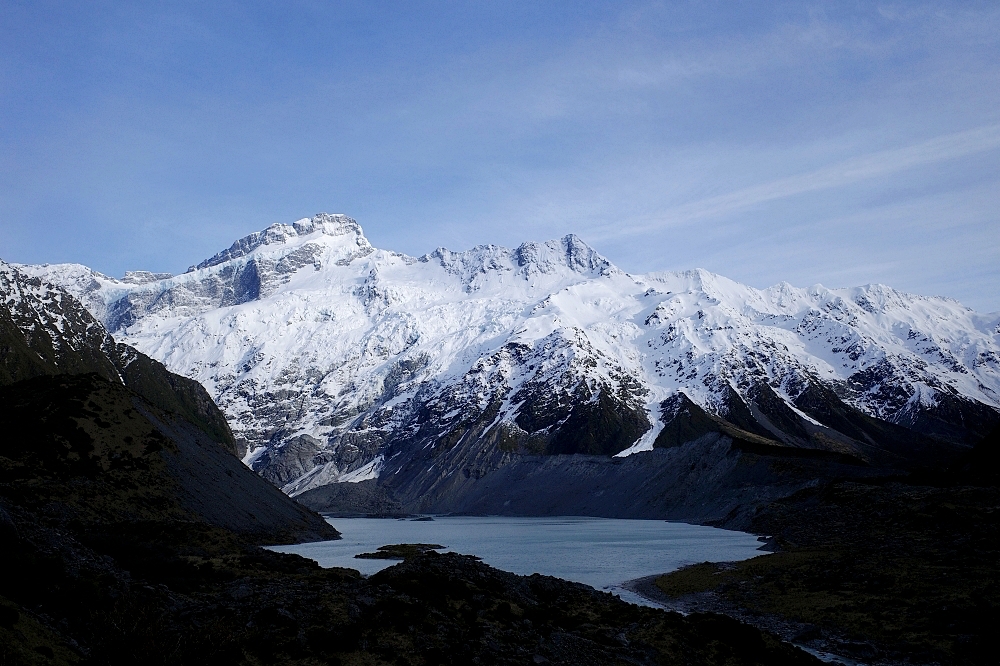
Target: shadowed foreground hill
198, 596
112, 435
83, 450
890, 571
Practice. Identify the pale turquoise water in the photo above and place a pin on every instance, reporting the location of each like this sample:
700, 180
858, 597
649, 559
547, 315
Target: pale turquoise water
602, 552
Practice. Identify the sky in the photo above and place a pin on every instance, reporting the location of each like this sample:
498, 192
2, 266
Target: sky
841, 143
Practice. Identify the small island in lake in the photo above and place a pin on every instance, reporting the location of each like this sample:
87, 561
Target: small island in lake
399, 551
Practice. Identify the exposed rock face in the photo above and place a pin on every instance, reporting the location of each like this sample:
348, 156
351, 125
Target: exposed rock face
708, 479
292, 458
338, 362
364, 498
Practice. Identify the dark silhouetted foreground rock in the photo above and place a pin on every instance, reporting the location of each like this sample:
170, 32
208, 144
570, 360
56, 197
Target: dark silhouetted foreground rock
884, 572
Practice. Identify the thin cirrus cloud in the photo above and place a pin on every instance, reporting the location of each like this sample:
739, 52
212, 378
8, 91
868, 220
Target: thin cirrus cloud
871, 166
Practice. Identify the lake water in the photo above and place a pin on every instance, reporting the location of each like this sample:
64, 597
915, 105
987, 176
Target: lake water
601, 552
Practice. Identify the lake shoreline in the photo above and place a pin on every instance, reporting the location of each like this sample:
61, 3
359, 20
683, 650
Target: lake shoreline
600, 552
801, 635
887, 573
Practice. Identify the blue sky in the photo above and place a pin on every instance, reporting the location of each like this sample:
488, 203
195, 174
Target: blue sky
833, 142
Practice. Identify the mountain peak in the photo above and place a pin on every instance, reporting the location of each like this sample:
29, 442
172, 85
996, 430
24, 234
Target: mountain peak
569, 251
329, 224
529, 260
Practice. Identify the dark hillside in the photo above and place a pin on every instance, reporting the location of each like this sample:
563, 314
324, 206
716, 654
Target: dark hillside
126, 435
886, 572
84, 449
46, 331
128, 536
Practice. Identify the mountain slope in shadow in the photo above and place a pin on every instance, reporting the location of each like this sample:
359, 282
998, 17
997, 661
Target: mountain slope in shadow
77, 403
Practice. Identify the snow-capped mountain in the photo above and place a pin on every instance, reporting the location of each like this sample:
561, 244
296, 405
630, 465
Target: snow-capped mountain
59, 333
337, 361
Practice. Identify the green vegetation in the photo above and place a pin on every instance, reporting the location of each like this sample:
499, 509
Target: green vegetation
77, 442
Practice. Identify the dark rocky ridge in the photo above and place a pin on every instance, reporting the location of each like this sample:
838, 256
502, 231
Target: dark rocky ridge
46, 331
768, 425
704, 468
69, 392
128, 461
887, 572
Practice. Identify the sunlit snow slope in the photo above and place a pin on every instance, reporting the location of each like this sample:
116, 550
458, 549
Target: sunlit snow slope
336, 361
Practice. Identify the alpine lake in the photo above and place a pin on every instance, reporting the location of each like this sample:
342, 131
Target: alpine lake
604, 553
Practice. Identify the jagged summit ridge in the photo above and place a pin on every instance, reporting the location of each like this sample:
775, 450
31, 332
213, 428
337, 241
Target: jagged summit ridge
337, 361
493, 263
278, 233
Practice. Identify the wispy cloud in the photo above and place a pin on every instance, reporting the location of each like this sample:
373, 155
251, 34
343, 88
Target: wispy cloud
865, 167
